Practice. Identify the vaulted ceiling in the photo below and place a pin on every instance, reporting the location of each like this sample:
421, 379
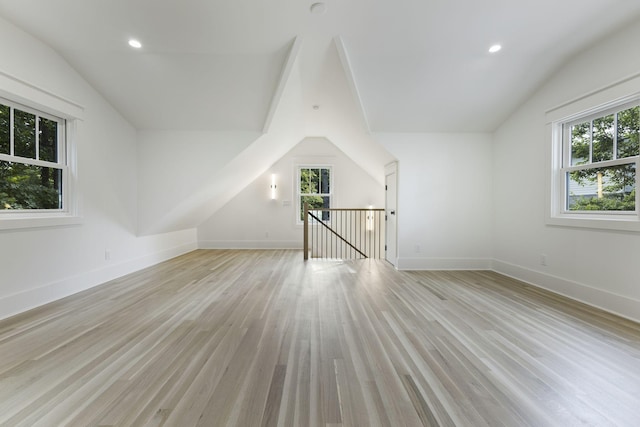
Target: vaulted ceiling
276, 70
415, 65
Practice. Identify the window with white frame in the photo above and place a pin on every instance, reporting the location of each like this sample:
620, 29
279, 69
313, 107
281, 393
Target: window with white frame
33, 166
38, 167
315, 188
597, 156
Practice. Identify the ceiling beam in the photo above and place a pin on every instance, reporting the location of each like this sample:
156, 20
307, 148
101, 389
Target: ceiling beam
351, 80
282, 83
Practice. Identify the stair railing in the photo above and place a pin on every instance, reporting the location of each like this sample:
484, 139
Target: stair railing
340, 233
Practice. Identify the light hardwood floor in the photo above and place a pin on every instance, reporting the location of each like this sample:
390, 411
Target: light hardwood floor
260, 338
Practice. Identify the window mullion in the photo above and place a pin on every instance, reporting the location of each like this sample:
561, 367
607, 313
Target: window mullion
11, 131
37, 137
591, 141
26, 161
603, 164
61, 148
637, 187
566, 149
615, 134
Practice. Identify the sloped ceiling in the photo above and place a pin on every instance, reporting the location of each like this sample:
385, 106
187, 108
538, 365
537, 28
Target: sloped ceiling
420, 65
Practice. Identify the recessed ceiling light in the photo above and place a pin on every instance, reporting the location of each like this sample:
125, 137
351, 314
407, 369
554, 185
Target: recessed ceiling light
495, 48
318, 8
135, 43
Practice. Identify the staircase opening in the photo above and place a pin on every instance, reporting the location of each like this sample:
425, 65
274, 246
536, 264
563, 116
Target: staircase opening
343, 233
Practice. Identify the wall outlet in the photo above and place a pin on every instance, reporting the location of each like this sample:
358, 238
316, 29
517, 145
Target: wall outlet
543, 259
418, 249
107, 254
266, 234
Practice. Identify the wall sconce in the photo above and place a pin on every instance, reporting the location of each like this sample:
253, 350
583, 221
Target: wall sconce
370, 214
273, 186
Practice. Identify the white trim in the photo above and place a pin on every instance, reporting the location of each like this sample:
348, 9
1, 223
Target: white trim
594, 222
27, 93
45, 220
250, 244
608, 95
285, 76
351, 80
390, 169
443, 263
32, 298
617, 304
610, 302
31, 162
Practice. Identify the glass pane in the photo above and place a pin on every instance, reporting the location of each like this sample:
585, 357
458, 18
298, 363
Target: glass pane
314, 177
628, 131
48, 140
325, 181
603, 129
580, 143
326, 204
29, 187
602, 189
5, 128
24, 128
304, 181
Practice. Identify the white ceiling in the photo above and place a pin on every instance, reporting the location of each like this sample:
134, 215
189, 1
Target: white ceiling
419, 65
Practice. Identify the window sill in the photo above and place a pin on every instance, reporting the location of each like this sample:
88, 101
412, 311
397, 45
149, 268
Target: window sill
598, 222
10, 222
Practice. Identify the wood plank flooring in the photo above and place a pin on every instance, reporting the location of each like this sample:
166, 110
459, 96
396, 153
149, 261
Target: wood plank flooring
261, 338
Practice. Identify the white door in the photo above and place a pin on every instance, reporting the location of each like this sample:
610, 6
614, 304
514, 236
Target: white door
391, 215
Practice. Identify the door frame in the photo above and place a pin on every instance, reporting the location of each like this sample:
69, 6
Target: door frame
391, 169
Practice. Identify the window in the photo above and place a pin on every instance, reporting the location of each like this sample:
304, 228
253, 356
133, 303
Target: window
314, 188
38, 168
597, 154
601, 153
32, 159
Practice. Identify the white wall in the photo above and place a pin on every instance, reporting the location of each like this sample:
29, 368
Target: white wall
252, 220
172, 165
41, 265
598, 267
444, 199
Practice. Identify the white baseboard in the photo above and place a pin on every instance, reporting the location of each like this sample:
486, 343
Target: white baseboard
613, 303
32, 298
250, 244
444, 264
607, 301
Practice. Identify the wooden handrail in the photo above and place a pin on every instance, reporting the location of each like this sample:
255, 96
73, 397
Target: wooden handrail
348, 209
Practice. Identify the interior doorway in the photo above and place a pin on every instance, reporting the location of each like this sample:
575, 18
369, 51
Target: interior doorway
391, 213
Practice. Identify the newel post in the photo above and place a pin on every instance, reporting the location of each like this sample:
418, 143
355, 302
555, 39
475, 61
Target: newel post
305, 239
